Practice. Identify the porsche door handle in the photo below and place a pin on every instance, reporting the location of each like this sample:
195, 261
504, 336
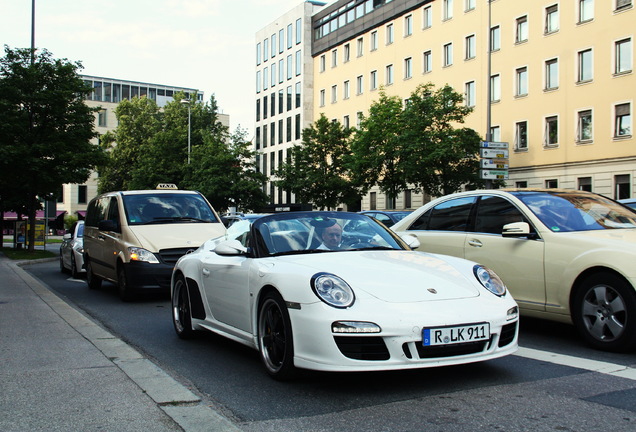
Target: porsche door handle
475, 243
205, 272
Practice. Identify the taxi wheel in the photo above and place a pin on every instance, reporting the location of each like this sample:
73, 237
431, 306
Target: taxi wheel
604, 312
93, 281
122, 284
181, 309
275, 339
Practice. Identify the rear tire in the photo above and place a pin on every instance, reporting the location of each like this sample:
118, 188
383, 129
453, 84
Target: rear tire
182, 309
604, 312
94, 282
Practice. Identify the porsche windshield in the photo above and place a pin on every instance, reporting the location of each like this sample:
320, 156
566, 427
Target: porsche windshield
309, 232
573, 211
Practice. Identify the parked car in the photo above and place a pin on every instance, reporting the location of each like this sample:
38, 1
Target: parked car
368, 304
72, 250
387, 217
134, 238
629, 202
565, 255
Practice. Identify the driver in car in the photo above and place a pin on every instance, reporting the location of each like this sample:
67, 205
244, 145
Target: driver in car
331, 237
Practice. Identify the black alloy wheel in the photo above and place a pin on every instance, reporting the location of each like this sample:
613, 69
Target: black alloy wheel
604, 312
275, 339
181, 310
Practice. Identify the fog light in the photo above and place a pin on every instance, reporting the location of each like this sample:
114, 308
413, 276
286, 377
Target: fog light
513, 313
355, 327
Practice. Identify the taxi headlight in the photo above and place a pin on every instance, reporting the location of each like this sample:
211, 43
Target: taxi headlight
489, 280
332, 290
141, 254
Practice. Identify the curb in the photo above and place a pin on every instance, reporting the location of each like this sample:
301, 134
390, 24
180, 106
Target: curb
175, 399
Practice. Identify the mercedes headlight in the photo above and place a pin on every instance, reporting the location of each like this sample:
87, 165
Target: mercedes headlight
489, 280
332, 290
141, 254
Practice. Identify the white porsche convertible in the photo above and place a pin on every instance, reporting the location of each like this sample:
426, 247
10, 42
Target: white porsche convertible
337, 291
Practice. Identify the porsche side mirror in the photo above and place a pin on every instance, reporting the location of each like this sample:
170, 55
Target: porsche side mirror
230, 248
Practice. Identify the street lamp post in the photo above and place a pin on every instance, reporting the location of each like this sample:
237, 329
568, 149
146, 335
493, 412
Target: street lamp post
187, 102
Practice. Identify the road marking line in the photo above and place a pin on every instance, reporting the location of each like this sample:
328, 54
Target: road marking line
579, 363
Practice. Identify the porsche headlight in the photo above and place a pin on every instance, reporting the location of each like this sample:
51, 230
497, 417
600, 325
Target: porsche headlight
489, 280
332, 290
140, 254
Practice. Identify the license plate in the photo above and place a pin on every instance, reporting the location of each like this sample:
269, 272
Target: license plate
455, 334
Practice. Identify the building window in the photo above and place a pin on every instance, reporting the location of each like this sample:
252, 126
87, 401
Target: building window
551, 184
623, 53
551, 19
359, 117
495, 133
584, 126
347, 53
374, 80
299, 31
389, 34
521, 135
258, 54
289, 98
551, 74
265, 107
584, 184
346, 90
345, 122
622, 186
82, 194
290, 67
374, 41
273, 45
360, 45
428, 62
522, 81
428, 17
623, 121
265, 49
448, 9
273, 73
470, 5
551, 138
264, 136
322, 63
521, 184
470, 94
281, 101
408, 25
101, 118
623, 4
470, 47
389, 75
281, 41
586, 10
290, 35
448, 54
298, 100
298, 129
322, 97
334, 58
495, 39
585, 66
359, 85
298, 63
408, 68
495, 88
280, 131
281, 71
522, 29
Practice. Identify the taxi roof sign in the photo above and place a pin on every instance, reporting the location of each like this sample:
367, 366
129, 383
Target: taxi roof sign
167, 186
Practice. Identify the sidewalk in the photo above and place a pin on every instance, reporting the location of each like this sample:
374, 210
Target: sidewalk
60, 371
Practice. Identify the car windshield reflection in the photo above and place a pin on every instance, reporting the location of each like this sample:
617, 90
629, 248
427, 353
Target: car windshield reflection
571, 211
314, 232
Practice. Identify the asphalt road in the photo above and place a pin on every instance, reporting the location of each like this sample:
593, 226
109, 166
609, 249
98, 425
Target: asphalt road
510, 394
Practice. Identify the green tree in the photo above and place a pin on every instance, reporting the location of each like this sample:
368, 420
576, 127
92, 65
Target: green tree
441, 157
224, 170
45, 128
319, 170
378, 147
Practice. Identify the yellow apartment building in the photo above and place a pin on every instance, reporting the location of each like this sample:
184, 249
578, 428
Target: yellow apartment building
561, 77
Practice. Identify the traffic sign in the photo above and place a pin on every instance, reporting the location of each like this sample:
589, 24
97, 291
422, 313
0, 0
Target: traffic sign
494, 174
494, 153
494, 144
494, 164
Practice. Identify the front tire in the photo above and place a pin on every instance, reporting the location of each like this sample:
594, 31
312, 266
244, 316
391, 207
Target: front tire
125, 292
62, 268
74, 273
275, 340
604, 312
181, 309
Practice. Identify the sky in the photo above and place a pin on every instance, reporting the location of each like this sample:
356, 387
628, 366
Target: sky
203, 44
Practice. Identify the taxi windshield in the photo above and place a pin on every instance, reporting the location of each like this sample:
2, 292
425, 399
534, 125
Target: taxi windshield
162, 208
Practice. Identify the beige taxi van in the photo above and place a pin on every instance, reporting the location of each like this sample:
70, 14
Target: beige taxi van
134, 238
